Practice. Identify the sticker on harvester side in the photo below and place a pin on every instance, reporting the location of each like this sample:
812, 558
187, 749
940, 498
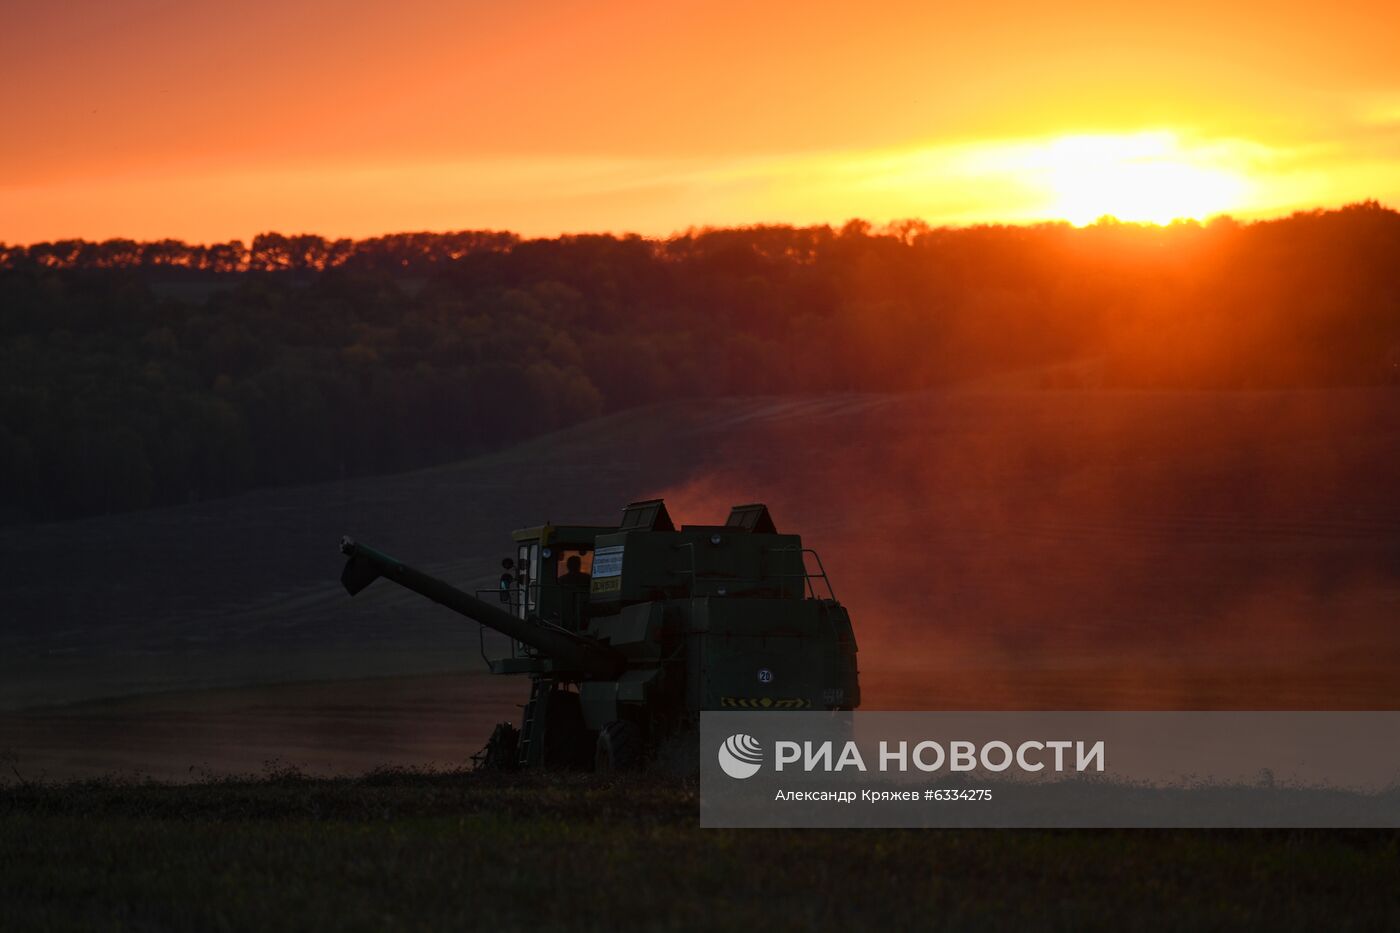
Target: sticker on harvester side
607, 561
764, 703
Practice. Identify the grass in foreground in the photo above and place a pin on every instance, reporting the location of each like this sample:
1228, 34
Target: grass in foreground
407, 850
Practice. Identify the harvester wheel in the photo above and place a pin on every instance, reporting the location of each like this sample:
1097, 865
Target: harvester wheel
566, 739
619, 747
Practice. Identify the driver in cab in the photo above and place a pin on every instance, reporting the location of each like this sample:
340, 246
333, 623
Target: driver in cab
574, 574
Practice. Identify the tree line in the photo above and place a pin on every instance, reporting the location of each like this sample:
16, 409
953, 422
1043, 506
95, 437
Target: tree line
269, 252
139, 374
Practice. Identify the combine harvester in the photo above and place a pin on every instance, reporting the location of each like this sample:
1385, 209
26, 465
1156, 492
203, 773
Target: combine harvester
628, 632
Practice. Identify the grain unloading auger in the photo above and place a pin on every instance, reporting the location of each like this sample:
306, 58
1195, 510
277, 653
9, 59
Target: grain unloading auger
627, 632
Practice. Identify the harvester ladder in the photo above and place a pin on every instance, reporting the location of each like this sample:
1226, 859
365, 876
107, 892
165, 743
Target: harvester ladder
539, 688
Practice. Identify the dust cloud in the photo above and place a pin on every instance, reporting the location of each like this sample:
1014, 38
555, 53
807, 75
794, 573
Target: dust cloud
1090, 547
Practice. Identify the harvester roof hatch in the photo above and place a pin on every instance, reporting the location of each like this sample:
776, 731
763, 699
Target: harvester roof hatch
754, 518
649, 515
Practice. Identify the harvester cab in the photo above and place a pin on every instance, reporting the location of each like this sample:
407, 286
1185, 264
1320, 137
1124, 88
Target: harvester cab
548, 578
629, 631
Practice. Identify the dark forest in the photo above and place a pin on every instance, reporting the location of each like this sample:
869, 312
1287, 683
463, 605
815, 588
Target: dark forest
140, 374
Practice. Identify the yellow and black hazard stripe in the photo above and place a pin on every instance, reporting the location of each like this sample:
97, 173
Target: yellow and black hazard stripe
764, 703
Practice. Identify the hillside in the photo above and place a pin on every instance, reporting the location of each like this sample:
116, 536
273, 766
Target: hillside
996, 547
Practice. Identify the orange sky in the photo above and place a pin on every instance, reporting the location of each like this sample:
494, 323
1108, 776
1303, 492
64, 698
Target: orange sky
212, 121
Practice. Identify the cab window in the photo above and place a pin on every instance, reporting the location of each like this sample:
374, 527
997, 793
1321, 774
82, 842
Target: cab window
528, 566
575, 565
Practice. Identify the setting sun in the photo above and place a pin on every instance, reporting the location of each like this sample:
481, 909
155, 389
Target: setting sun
1145, 177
